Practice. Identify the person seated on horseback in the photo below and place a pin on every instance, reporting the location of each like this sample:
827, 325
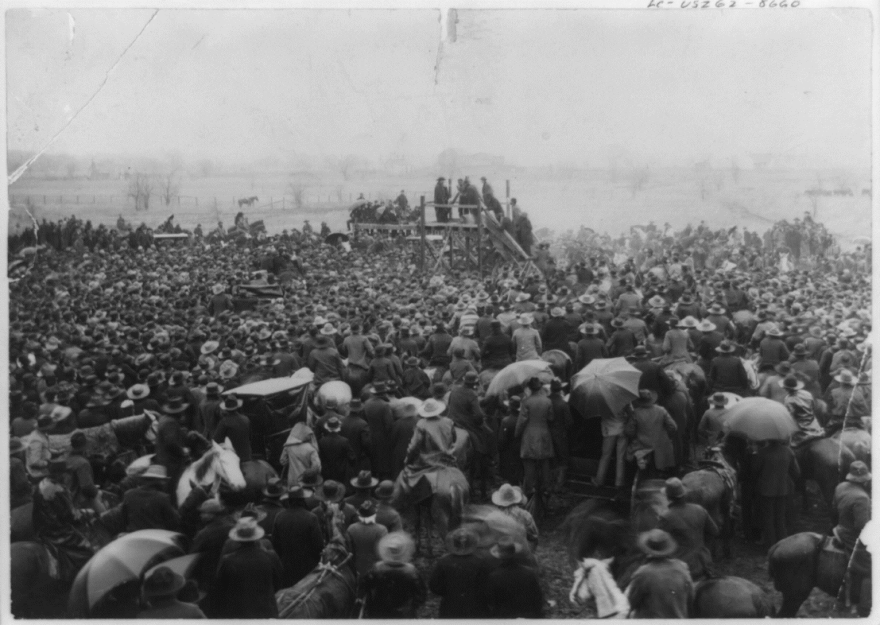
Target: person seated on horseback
509, 500
434, 435
852, 511
691, 527
800, 404
55, 521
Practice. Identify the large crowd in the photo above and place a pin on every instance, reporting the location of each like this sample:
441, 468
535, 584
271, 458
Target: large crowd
105, 327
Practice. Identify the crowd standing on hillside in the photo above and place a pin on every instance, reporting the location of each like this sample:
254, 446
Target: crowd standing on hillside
102, 331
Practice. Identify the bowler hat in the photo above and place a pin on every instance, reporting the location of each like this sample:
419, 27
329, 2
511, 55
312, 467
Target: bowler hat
232, 402
385, 490
674, 488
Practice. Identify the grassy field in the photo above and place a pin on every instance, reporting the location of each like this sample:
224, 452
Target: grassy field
593, 198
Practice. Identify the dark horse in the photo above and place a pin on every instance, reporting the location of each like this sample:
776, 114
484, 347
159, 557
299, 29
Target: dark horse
825, 461
328, 592
799, 563
713, 486
438, 492
248, 201
603, 529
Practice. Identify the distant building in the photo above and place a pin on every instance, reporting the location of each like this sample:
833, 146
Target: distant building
761, 161
96, 174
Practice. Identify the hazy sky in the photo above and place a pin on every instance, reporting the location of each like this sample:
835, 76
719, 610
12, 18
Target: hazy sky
534, 86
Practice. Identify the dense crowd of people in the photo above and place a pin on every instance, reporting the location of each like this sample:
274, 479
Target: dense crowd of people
101, 331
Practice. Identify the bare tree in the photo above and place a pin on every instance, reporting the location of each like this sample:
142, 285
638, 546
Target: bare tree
169, 186
735, 170
344, 165
703, 176
140, 188
637, 178
297, 190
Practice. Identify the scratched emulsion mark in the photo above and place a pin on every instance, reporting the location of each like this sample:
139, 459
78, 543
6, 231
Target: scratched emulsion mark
448, 21
26, 165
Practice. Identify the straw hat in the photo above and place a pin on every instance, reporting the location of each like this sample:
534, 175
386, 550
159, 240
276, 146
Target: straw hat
138, 391
431, 409
396, 548
524, 320
246, 530
706, 326
231, 402
507, 496
845, 378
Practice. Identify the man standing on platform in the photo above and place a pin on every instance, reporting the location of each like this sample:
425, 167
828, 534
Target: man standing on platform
441, 200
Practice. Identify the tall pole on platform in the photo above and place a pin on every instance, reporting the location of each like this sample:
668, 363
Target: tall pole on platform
422, 235
480, 241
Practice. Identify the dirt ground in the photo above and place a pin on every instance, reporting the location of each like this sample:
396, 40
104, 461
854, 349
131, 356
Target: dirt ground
748, 561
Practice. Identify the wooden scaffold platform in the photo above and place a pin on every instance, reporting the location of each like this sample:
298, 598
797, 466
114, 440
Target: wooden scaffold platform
445, 246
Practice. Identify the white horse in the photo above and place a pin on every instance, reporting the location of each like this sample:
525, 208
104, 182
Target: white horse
593, 579
220, 464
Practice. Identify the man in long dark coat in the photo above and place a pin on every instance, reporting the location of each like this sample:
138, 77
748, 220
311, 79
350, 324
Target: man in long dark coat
296, 538
441, 198
459, 578
377, 414
357, 431
248, 578
466, 413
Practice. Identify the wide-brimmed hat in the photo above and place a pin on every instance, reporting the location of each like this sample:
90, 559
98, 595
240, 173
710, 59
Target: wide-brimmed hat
799, 350
396, 547
311, 478
175, 405
217, 289
674, 489
776, 332
231, 402
716, 309
719, 400
507, 496
471, 378
791, 383
246, 530
557, 312
333, 424
590, 329
364, 480
506, 548
587, 299
600, 304
155, 472
212, 389
355, 406
331, 491
639, 352
657, 543
163, 582
462, 541
228, 370
845, 377
524, 320
858, 473
328, 330
657, 302
617, 322
688, 322
783, 368
384, 491
209, 347
273, 489
294, 492
138, 391
431, 408
726, 347
522, 297
706, 326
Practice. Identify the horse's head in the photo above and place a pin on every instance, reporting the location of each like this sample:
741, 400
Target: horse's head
228, 465
335, 553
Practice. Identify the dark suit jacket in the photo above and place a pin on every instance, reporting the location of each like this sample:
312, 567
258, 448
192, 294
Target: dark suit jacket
298, 542
356, 430
146, 508
246, 582
460, 581
337, 457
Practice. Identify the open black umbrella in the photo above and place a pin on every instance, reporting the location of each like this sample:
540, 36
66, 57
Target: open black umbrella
335, 238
